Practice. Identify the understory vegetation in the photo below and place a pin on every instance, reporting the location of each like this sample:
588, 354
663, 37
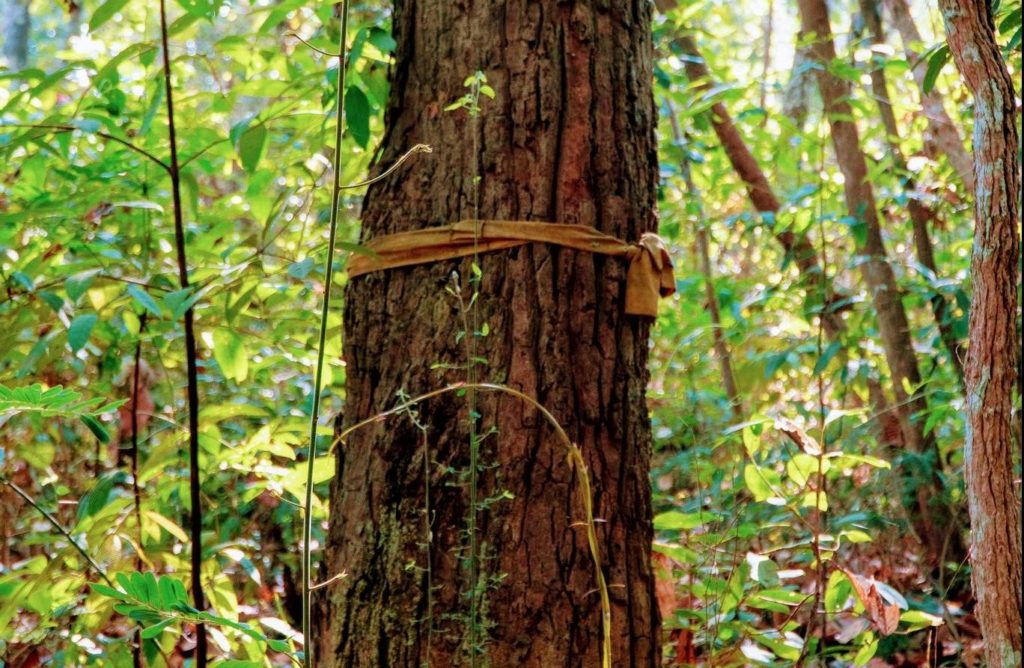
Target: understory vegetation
162, 284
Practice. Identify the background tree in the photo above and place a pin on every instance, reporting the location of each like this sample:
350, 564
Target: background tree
932, 519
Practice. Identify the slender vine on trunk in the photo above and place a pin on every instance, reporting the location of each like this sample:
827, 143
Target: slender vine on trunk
314, 418
196, 514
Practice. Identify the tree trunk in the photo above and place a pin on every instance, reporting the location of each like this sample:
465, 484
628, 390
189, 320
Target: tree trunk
944, 132
921, 215
569, 137
16, 23
933, 519
992, 358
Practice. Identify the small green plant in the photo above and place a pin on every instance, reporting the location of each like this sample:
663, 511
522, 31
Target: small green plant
477, 85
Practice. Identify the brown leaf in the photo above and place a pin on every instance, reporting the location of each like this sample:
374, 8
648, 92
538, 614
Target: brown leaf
798, 436
884, 617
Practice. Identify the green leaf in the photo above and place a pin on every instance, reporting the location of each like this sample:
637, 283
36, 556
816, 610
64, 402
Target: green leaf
80, 329
251, 144
180, 301
96, 498
751, 441
801, 467
382, 40
76, 285
171, 528
143, 299
105, 12
919, 619
761, 481
97, 428
817, 499
109, 591
677, 521
865, 653
936, 62
156, 629
230, 353
837, 591
201, 9
357, 115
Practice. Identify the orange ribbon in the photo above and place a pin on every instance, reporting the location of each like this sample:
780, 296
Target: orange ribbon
648, 278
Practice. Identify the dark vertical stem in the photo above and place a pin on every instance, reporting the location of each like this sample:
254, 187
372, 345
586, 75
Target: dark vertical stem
136, 491
196, 517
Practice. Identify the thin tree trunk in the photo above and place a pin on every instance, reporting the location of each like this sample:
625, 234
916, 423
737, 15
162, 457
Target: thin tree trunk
766, 57
921, 215
944, 132
933, 517
762, 196
798, 89
993, 357
710, 293
764, 199
15, 25
569, 137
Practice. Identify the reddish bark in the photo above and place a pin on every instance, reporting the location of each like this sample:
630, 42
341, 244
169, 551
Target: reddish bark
933, 518
993, 356
569, 137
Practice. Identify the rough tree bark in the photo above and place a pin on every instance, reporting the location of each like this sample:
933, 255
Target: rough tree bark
944, 133
933, 521
569, 137
993, 355
921, 215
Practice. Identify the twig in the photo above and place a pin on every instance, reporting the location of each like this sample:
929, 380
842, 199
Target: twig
57, 525
418, 148
105, 135
318, 50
